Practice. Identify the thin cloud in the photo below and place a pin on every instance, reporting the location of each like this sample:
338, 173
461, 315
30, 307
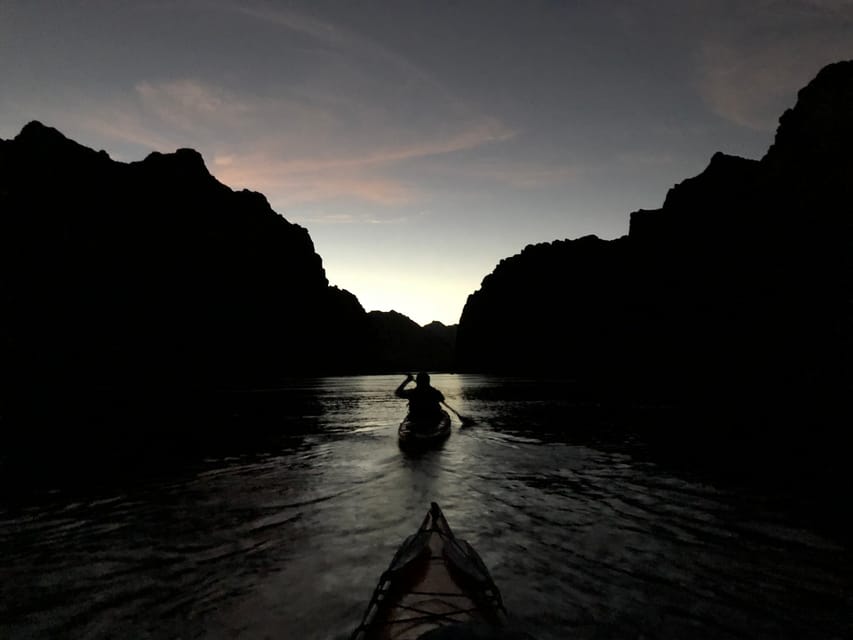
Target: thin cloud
300, 181
342, 42
750, 75
476, 135
282, 184
523, 176
328, 218
751, 88
338, 128
262, 155
185, 103
117, 125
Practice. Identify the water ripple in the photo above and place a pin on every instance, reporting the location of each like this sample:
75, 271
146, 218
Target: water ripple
584, 542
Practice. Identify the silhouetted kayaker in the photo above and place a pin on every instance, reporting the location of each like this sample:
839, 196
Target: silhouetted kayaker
424, 400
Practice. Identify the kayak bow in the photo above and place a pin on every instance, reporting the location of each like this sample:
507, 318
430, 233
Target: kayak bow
435, 581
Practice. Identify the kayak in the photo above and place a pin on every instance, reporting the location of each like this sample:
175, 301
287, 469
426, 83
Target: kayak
436, 584
417, 433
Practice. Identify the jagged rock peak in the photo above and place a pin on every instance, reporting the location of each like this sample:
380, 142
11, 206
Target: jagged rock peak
393, 316
435, 324
723, 174
539, 248
40, 138
188, 162
35, 130
818, 129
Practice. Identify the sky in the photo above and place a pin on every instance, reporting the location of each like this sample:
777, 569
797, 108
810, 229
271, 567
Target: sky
421, 142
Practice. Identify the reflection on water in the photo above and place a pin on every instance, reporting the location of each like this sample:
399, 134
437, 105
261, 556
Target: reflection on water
584, 542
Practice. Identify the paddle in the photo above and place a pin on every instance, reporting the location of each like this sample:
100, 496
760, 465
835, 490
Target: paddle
466, 422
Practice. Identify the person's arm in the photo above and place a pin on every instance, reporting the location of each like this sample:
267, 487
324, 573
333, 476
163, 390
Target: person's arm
400, 392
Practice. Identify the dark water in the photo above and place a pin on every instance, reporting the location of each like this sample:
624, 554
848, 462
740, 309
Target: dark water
584, 541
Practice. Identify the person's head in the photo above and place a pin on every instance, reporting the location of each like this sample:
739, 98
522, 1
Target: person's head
422, 379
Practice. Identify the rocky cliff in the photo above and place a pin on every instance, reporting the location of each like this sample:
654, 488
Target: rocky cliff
134, 277
734, 295
404, 345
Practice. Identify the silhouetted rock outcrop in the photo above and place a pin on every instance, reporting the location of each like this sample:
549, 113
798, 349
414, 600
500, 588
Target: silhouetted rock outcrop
403, 345
735, 296
137, 277
553, 309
